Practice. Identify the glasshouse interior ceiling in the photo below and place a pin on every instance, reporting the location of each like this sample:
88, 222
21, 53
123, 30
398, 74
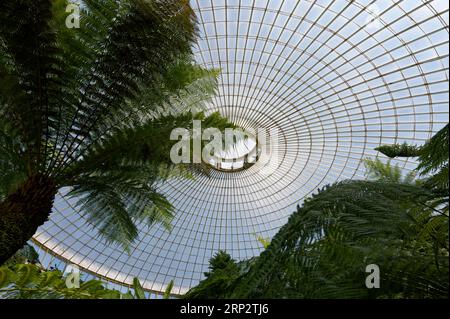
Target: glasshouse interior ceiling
335, 78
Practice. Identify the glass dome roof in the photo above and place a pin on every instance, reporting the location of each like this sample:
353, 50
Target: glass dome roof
335, 78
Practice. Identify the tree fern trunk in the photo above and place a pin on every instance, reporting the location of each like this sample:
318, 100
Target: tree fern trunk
23, 212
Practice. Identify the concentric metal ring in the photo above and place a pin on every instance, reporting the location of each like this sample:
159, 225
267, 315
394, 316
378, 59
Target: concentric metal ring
336, 78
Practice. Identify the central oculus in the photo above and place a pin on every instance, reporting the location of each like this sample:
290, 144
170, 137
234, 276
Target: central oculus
241, 155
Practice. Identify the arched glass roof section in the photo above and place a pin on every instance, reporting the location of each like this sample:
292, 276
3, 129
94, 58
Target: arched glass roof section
335, 78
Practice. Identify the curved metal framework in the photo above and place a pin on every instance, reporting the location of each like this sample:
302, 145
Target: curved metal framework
336, 78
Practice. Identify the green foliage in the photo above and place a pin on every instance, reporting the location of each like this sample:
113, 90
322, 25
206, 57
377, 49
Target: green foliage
393, 221
93, 107
265, 242
223, 273
399, 150
434, 163
27, 281
114, 182
138, 290
221, 260
168, 290
433, 156
27, 254
377, 170
12, 164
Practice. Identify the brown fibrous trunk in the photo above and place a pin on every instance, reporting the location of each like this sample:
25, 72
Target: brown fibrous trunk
23, 211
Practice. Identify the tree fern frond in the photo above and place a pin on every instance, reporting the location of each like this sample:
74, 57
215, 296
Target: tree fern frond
399, 150
138, 41
92, 108
12, 165
32, 282
377, 170
105, 210
434, 154
332, 237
